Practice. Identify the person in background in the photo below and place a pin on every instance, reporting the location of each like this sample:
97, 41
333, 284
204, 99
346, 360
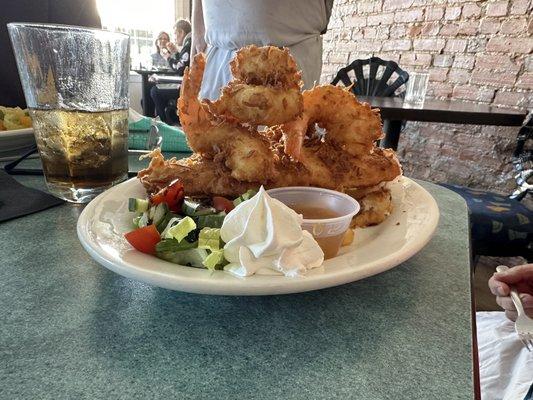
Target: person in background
178, 60
69, 12
222, 27
160, 57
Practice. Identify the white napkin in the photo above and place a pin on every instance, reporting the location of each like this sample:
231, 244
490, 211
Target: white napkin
505, 365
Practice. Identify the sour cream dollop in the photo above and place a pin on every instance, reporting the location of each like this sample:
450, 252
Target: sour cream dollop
263, 233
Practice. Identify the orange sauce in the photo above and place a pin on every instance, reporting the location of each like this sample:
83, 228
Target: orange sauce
330, 245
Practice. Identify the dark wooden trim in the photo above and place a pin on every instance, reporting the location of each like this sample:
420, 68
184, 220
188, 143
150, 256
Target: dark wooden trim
446, 111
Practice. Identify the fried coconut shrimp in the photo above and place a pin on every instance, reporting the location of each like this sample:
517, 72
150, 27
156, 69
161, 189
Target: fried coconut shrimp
352, 125
265, 89
230, 158
245, 153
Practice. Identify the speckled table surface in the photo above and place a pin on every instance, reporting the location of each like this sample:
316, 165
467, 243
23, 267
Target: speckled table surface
70, 329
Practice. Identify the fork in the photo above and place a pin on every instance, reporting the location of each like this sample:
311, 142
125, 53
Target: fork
523, 324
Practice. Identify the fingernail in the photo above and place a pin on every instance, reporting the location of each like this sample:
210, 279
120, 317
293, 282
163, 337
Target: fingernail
500, 291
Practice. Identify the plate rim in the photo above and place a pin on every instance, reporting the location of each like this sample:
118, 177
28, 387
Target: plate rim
255, 285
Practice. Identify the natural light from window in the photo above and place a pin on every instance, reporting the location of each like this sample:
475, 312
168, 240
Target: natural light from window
141, 19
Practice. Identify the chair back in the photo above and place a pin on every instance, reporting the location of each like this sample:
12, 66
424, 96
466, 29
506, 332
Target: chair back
522, 160
372, 83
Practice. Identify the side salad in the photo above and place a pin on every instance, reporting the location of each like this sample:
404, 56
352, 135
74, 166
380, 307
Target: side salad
181, 229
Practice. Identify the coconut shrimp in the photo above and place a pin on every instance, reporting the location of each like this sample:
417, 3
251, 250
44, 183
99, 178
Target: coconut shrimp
244, 152
265, 89
349, 124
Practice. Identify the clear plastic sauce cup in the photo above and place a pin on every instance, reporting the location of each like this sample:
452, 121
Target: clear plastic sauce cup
327, 213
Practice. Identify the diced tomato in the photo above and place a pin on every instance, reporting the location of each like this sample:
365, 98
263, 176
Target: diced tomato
223, 204
172, 194
144, 239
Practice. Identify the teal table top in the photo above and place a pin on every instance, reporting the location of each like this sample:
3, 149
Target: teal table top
71, 329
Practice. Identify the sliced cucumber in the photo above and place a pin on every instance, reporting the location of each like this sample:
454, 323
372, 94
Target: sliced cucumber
138, 205
163, 224
211, 221
192, 257
245, 196
160, 211
194, 207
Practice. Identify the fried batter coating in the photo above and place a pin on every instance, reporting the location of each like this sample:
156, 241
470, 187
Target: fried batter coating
376, 206
352, 125
257, 105
266, 66
231, 158
236, 144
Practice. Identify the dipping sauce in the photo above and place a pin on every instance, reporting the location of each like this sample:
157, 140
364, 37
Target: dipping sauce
330, 245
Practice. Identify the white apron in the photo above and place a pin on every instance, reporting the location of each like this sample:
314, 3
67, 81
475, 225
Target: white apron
232, 24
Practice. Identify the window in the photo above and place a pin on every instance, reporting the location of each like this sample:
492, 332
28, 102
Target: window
140, 19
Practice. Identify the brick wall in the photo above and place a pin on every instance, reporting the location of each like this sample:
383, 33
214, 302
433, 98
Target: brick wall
477, 51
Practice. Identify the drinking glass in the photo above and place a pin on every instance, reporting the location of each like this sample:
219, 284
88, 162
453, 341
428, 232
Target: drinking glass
75, 82
417, 85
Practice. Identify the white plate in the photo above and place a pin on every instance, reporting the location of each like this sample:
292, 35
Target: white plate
16, 142
376, 249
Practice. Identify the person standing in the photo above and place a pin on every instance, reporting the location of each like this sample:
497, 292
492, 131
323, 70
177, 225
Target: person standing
222, 27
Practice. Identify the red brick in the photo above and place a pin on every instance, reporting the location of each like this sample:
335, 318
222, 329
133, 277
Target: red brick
369, 45
514, 26
355, 20
396, 45
369, 32
443, 60
380, 19
498, 79
497, 62
338, 58
450, 29
473, 93
452, 13
489, 25
512, 99
459, 76
368, 7
464, 61
455, 45
471, 10
520, 7
429, 44
437, 74
398, 31
389, 5
476, 45
513, 45
434, 13
430, 29
418, 59
440, 90
525, 81
497, 8
409, 15
470, 27
415, 30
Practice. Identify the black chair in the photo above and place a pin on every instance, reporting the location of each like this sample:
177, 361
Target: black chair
502, 226
383, 79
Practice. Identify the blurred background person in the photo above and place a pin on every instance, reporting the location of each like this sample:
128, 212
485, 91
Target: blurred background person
69, 12
178, 60
222, 27
162, 54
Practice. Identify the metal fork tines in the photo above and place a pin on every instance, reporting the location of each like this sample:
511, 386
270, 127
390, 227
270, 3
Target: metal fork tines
523, 324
